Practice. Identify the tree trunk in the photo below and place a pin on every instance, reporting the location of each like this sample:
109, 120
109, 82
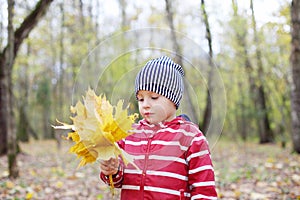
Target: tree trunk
265, 133
241, 116
125, 24
81, 13
44, 100
1, 28
173, 34
208, 108
3, 105
5, 71
178, 59
23, 123
10, 126
61, 62
23, 128
241, 38
295, 62
59, 90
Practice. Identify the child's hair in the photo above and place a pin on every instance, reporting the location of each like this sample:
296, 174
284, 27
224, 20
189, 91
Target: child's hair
162, 76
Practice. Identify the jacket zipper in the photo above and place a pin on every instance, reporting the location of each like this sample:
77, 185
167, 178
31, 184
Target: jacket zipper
145, 167
181, 194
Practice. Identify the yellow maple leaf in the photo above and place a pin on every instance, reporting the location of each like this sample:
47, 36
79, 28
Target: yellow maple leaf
29, 195
97, 126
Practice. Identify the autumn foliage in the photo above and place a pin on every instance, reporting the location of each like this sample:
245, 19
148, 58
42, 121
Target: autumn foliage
96, 128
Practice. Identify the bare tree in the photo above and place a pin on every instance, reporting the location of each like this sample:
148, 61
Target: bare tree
7, 58
81, 16
61, 82
1, 28
241, 37
24, 128
11, 135
295, 62
178, 57
173, 34
125, 23
265, 133
207, 112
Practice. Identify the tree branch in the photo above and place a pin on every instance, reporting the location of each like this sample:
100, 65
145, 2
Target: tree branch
30, 22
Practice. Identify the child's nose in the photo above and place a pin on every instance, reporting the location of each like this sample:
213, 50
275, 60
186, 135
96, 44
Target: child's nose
146, 103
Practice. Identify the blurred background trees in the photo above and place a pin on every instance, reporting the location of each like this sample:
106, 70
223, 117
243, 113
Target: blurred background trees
66, 52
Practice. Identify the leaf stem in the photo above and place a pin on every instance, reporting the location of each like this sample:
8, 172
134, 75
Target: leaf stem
111, 185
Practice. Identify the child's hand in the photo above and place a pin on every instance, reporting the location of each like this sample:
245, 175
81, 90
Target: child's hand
109, 167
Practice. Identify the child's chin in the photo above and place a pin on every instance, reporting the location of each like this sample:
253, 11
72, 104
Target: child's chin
152, 121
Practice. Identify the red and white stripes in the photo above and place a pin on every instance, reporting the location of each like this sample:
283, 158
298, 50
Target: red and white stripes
174, 162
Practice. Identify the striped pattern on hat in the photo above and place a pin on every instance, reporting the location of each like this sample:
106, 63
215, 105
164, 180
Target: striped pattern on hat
162, 76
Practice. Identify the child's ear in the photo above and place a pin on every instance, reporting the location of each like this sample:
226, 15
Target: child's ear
175, 106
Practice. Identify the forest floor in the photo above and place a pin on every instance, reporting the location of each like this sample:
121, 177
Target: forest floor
243, 171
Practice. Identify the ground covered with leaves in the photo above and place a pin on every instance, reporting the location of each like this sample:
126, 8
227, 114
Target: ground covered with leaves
243, 171
256, 172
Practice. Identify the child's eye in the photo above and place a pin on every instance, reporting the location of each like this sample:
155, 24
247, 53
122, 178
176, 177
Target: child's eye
140, 99
154, 98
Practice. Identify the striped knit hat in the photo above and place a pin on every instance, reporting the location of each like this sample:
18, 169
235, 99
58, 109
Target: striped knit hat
162, 76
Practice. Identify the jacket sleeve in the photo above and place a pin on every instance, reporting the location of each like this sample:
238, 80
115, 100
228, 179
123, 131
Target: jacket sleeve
201, 172
117, 178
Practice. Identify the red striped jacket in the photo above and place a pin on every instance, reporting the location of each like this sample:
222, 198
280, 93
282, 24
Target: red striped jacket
173, 161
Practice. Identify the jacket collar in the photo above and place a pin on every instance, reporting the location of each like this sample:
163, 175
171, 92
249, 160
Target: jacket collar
177, 120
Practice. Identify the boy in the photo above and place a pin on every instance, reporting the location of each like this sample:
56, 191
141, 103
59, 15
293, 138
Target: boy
171, 153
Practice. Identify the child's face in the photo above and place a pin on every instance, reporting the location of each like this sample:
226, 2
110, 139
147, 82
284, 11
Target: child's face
155, 108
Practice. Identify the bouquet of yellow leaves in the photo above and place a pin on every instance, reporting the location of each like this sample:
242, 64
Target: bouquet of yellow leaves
96, 128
